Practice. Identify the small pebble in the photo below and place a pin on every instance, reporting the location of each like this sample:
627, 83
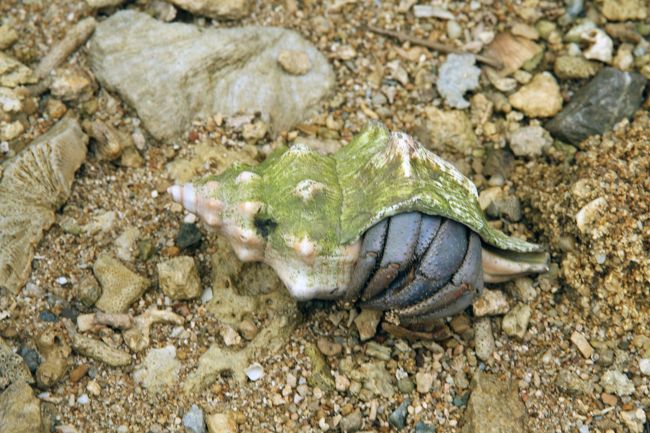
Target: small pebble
79, 372
422, 427
193, 420
47, 316
351, 422
423, 381
83, 399
255, 372
582, 344
644, 366
31, 357
398, 418
188, 236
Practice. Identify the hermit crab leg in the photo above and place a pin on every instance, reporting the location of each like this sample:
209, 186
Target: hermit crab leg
401, 240
458, 294
440, 263
371, 249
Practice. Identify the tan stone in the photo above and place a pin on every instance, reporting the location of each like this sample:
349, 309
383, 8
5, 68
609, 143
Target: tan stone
540, 98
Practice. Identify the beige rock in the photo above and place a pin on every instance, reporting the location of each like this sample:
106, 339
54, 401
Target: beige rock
217, 9
514, 52
159, 369
89, 291
28, 203
494, 406
99, 4
72, 83
53, 346
120, 286
515, 323
532, 140
582, 344
179, 278
13, 73
484, 339
20, 411
11, 130
294, 62
138, 337
10, 100
7, 36
589, 214
540, 98
634, 419
491, 303
574, 67
109, 143
97, 350
366, 323
623, 10
221, 423
448, 131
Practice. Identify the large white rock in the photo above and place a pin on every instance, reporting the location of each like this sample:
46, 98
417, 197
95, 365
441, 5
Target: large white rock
173, 73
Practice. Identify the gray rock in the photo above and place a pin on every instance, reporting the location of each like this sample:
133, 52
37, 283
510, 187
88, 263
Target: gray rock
179, 278
494, 406
20, 411
375, 378
12, 367
172, 73
398, 418
458, 75
529, 141
193, 420
422, 427
28, 203
351, 422
608, 98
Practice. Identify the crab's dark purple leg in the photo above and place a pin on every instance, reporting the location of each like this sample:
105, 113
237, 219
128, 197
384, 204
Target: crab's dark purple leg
458, 294
401, 241
438, 265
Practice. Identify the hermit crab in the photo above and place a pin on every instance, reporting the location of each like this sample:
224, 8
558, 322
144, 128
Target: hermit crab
383, 220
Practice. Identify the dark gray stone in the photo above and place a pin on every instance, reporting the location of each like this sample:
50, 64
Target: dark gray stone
607, 99
189, 236
47, 316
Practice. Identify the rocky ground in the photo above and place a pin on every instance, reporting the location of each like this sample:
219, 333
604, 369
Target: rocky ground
120, 312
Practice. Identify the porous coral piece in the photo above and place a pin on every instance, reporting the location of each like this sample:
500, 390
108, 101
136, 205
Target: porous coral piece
34, 184
120, 286
137, 338
96, 349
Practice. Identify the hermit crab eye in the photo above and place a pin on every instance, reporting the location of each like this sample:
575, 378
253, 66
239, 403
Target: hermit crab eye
264, 225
